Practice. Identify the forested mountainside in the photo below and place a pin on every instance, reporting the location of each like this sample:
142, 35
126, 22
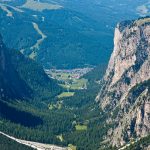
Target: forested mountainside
56, 35
49, 119
143, 144
59, 38
65, 34
7, 144
11, 84
22, 78
126, 84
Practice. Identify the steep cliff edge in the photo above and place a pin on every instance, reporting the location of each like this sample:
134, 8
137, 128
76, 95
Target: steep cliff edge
126, 84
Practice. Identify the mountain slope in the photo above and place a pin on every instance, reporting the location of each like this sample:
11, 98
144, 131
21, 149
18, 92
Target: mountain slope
11, 85
126, 84
71, 39
143, 143
22, 78
78, 33
7, 144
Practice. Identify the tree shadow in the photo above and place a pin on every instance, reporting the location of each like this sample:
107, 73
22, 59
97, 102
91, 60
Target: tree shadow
20, 117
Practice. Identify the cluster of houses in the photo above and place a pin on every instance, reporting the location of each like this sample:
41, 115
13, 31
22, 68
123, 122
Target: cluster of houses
74, 73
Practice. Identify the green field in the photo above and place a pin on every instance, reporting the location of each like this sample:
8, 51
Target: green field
60, 76
70, 81
72, 147
60, 137
58, 105
65, 94
81, 127
77, 84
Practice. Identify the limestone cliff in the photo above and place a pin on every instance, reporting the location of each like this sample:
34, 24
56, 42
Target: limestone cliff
126, 84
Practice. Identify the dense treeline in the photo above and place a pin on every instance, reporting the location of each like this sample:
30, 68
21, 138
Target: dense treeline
140, 145
18, 116
33, 120
11, 84
8, 144
86, 97
54, 123
80, 109
57, 122
97, 73
33, 74
70, 42
22, 78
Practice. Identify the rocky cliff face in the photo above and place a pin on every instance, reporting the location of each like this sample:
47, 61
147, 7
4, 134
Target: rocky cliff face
126, 84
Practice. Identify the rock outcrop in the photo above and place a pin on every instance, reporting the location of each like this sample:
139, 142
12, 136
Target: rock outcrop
126, 84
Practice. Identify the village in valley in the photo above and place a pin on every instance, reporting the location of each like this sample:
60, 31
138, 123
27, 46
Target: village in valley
69, 79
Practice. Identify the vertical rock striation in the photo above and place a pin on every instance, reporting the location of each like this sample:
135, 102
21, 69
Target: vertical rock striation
126, 84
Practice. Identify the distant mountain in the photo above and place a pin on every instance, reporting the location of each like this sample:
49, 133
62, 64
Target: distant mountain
59, 38
64, 34
22, 78
125, 93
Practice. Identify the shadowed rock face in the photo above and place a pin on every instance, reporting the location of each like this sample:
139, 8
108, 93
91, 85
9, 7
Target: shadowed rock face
126, 83
11, 85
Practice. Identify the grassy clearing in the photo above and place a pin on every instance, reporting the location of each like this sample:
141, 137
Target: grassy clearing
70, 81
81, 127
38, 6
65, 94
61, 76
72, 147
79, 84
33, 55
76, 84
60, 137
58, 105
